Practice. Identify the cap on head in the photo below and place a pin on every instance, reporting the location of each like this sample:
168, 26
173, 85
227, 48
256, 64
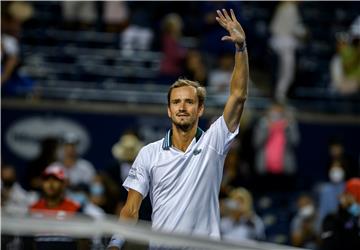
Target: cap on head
352, 187
55, 170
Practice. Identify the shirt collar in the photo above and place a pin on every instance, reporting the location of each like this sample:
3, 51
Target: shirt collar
167, 139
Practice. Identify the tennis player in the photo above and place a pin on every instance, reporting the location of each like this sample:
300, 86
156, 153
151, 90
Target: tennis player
182, 172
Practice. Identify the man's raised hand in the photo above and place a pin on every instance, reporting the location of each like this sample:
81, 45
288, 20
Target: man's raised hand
231, 24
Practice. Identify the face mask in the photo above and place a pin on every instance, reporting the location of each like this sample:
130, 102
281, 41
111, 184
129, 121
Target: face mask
231, 204
307, 211
79, 197
336, 175
354, 209
97, 189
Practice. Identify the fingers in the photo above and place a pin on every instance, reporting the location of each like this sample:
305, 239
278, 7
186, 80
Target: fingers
233, 15
224, 17
221, 22
221, 16
228, 18
227, 38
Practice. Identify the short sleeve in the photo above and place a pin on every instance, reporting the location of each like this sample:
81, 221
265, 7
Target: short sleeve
138, 178
220, 136
10, 45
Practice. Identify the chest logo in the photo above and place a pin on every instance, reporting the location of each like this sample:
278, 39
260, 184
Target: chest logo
197, 151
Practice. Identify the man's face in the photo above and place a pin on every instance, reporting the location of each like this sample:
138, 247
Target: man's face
70, 150
53, 187
183, 109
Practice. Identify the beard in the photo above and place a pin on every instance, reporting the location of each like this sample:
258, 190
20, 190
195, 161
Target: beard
183, 125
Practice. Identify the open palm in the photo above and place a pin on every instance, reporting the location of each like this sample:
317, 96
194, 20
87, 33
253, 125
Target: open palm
231, 24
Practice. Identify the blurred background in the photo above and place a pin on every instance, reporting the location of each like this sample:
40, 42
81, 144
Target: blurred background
84, 84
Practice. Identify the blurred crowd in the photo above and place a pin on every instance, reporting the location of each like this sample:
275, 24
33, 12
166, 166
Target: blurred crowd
190, 42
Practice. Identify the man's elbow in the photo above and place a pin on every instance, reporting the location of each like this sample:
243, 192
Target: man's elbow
129, 213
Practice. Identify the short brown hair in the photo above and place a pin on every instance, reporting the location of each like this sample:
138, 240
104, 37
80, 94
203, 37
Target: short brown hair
200, 90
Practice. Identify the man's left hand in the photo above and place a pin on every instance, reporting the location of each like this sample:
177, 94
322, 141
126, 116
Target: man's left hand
231, 24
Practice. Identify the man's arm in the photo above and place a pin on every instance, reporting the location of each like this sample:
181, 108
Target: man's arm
9, 67
130, 211
240, 76
132, 206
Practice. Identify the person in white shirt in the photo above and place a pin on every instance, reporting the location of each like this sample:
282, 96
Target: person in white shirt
182, 172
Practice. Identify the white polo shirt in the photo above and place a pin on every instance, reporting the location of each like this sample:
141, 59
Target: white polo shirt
184, 186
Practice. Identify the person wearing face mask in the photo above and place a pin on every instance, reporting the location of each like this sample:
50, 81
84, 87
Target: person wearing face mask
303, 233
14, 199
239, 220
341, 230
329, 192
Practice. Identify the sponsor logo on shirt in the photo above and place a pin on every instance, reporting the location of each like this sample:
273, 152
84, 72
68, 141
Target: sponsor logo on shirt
197, 151
132, 173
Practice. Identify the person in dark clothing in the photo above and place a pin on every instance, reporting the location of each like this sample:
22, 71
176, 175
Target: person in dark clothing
342, 230
48, 150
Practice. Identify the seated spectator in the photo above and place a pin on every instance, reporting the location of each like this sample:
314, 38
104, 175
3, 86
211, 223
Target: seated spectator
239, 221
341, 230
219, 77
303, 227
173, 53
275, 137
345, 65
12, 82
48, 155
79, 14
115, 15
14, 199
137, 35
339, 155
195, 68
231, 176
54, 203
104, 193
80, 171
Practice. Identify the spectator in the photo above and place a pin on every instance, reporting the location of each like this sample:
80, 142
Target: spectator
14, 199
338, 155
345, 65
220, 76
137, 36
303, 230
173, 53
286, 28
12, 82
115, 15
231, 176
330, 192
275, 136
195, 67
80, 171
125, 152
54, 187
342, 229
79, 14
239, 221
48, 155
54, 203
